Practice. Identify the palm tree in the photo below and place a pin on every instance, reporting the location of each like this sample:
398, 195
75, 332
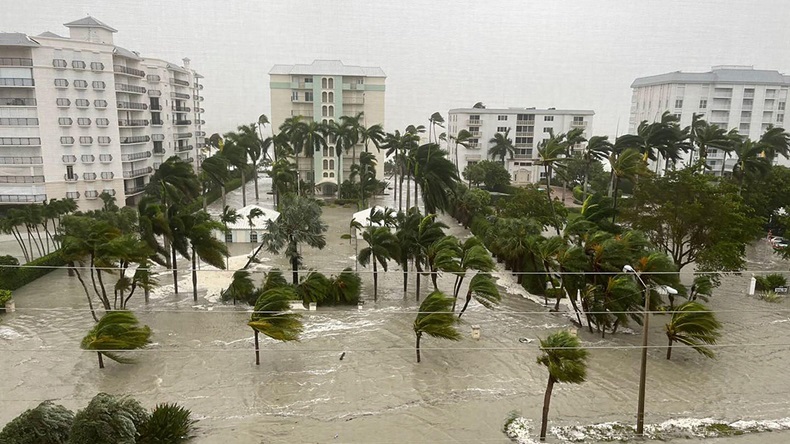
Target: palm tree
652, 140
708, 136
271, 318
382, 247
284, 179
236, 156
597, 149
566, 361
775, 141
347, 134
749, 160
473, 256
314, 141
443, 255
483, 289
463, 138
552, 153
116, 331
693, 324
627, 164
435, 120
200, 232
241, 287
428, 231
435, 319
373, 133
215, 168
503, 146
436, 175
174, 182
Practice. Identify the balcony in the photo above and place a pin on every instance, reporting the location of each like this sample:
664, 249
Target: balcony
135, 156
132, 123
111, 192
525, 122
523, 156
199, 98
153, 78
184, 148
200, 122
89, 177
70, 178
107, 175
182, 135
14, 160
135, 139
354, 86
181, 109
17, 82
154, 93
179, 95
474, 146
60, 63
105, 158
201, 133
353, 100
88, 158
15, 61
180, 82
474, 122
128, 71
132, 89
22, 198
17, 101
128, 174
182, 122
525, 134
134, 190
91, 194
577, 124
132, 106
156, 122
21, 179
159, 152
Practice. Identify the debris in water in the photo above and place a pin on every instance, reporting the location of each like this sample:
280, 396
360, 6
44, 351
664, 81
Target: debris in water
342, 355
525, 340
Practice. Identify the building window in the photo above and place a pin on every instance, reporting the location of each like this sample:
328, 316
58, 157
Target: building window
331, 83
703, 103
525, 117
18, 121
63, 103
82, 103
80, 84
229, 237
323, 83
97, 66
67, 140
324, 97
86, 140
78, 64
331, 164
326, 164
677, 116
548, 129
578, 119
295, 96
780, 118
99, 85
678, 103
84, 121
747, 103
781, 106
100, 103
308, 96
331, 97
326, 174
501, 117
501, 129
104, 140
548, 118
254, 237
61, 83
70, 173
331, 111
101, 121
324, 111
59, 63
746, 115
331, 174
64, 121
308, 80
72, 194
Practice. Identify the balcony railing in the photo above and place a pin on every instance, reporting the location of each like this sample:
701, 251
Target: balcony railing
91, 194
132, 123
20, 198
179, 95
15, 160
200, 86
182, 135
201, 133
135, 189
21, 179
183, 148
154, 93
525, 134
474, 122
157, 122
88, 158
135, 156
525, 122
107, 175
124, 87
576, 124
70, 178
128, 174
128, 71
132, 105
179, 82
15, 61
181, 109
17, 101
13, 81
105, 158
135, 139
153, 78
159, 152
89, 177
182, 122
354, 100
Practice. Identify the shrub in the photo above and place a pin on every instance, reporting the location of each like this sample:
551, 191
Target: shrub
108, 420
5, 296
770, 296
770, 281
26, 274
48, 423
480, 226
168, 424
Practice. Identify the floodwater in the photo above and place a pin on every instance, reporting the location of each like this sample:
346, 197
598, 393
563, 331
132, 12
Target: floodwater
202, 358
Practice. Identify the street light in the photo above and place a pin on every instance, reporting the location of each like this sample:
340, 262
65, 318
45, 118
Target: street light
640, 410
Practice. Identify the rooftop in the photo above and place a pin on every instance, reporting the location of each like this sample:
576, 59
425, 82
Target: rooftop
328, 67
89, 22
717, 74
586, 112
15, 39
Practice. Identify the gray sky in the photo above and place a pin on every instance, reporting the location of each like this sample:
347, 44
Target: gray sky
438, 54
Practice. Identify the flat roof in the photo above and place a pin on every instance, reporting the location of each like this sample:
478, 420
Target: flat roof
327, 67
586, 112
717, 74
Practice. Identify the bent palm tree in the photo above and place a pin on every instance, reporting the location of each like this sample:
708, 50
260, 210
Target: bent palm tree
270, 317
382, 247
435, 319
693, 324
566, 361
116, 330
483, 289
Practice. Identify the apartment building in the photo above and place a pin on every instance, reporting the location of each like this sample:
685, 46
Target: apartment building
80, 116
324, 91
732, 97
527, 128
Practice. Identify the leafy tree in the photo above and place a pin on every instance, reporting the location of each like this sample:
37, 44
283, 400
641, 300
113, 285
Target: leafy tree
236, 155
470, 203
167, 424
566, 361
241, 287
435, 319
502, 146
271, 317
313, 287
596, 150
472, 256
529, 201
694, 325
750, 161
382, 247
343, 289
627, 164
552, 153
428, 231
492, 174
116, 331
47, 423
108, 420
766, 194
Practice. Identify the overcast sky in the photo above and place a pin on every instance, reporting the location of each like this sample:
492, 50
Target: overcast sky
438, 55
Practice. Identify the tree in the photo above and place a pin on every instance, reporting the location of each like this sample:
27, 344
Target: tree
552, 152
471, 203
108, 420
566, 361
47, 423
627, 164
373, 133
116, 331
242, 288
435, 319
428, 231
215, 169
167, 424
492, 174
298, 223
502, 147
596, 150
694, 325
236, 155
483, 289
472, 256
436, 176
200, 229
530, 201
435, 120
707, 136
271, 318
750, 161
382, 247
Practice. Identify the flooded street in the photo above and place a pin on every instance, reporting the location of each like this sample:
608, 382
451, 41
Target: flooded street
202, 358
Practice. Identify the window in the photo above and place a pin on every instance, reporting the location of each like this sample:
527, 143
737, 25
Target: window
65, 121
87, 158
548, 129
67, 140
294, 96
324, 111
748, 92
61, 83
153, 78
747, 103
703, 103
678, 103
18, 121
331, 164
331, 83
781, 106
326, 164
677, 116
63, 103
89, 176
308, 80
99, 85
525, 129
548, 118
308, 96
97, 66
84, 121
501, 129
780, 118
101, 121
80, 84
100, 103
524, 140
82, 103
86, 140
17, 141
331, 97
324, 97
158, 137
525, 117
229, 237
78, 64
158, 149
326, 174
474, 117
107, 175
70, 173
500, 117
105, 157
59, 63
72, 194
254, 237
746, 115
324, 83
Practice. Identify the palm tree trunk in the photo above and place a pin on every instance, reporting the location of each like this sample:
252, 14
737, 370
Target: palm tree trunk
18, 237
405, 278
194, 275
257, 349
408, 192
295, 270
224, 198
466, 304
87, 292
434, 276
584, 186
551, 204
669, 349
395, 187
175, 270
418, 281
375, 282
456, 289
546, 401
419, 335
101, 361
257, 196
614, 198
243, 188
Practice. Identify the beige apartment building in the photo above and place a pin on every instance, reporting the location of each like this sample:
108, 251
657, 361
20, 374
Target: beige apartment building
80, 116
324, 91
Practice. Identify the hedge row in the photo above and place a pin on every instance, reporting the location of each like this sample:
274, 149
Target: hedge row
14, 278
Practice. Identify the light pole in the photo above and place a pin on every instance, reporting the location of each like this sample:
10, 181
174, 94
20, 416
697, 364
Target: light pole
640, 410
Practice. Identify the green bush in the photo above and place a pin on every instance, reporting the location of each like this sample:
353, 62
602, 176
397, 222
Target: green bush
480, 226
5, 296
168, 424
26, 274
108, 420
48, 423
770, 282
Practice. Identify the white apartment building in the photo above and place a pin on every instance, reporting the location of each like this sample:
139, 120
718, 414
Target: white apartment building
324, 91
80, 116
528, 127
732, 97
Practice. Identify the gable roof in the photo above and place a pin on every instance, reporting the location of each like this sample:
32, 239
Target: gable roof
51, 35
123, 52
328, 67
89, 22
15, 39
